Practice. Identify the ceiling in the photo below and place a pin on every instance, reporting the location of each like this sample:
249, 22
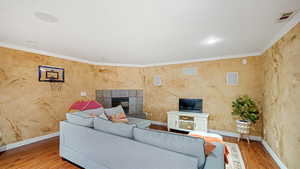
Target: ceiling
142, 32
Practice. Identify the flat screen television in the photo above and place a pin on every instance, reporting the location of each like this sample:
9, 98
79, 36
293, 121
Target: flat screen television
190, 105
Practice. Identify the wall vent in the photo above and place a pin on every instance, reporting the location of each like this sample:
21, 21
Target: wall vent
232, 78
286, 16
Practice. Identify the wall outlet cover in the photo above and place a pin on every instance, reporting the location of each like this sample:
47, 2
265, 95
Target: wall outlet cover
83, 94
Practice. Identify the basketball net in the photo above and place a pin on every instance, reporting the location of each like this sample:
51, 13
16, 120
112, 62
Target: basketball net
55, 87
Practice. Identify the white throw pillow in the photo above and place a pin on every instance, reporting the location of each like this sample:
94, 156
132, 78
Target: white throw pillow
114, 110
99, 112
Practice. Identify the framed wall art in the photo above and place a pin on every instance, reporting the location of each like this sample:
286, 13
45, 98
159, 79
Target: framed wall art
51, 74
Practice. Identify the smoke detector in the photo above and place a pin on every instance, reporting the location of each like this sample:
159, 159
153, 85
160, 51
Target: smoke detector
286, 16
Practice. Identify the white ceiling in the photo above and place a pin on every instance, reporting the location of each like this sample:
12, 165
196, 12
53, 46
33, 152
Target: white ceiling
143, 32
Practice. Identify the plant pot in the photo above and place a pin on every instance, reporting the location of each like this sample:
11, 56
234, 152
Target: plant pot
243, 126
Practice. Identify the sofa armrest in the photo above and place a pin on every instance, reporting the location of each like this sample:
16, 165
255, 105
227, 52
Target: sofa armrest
216, 159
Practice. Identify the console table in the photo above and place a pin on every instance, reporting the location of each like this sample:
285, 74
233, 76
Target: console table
187, 121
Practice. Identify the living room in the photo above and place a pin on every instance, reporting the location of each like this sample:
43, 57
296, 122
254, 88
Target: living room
169, 72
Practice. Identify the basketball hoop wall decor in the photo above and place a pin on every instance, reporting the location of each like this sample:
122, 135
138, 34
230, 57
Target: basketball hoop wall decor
51, 74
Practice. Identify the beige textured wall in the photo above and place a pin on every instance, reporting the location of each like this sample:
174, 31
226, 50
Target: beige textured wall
209, 84
29, 108
282, 98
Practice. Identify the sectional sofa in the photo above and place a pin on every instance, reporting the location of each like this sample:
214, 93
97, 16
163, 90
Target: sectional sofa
108, 145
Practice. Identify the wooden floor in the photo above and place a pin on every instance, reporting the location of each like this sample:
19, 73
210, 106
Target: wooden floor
45, 155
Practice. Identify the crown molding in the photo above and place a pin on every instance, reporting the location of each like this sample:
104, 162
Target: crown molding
292, 23
205, 59
42, 52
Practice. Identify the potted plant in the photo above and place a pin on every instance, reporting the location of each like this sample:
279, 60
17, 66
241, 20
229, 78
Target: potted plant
246, 108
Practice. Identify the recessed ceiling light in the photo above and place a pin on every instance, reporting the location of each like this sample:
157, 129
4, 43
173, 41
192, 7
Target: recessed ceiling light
46, 17
211, 40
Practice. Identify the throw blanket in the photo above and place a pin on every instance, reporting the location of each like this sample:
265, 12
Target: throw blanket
210, 139
85, 105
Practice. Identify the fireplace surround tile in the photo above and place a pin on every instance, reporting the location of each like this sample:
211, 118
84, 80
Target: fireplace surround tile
135, 99
132, 93
119, 93
140, 93
106, 93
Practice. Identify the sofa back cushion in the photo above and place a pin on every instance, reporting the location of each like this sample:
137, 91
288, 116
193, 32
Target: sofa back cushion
174, 142
79, 119
119, 129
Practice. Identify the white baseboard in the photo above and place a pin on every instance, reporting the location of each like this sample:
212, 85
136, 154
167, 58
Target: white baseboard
273, 155
232, 134
27, 141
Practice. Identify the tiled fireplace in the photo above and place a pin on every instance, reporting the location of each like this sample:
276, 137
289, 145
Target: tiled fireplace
130, 100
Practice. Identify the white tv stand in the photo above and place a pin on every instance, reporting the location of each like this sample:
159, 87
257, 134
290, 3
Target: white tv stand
187, 121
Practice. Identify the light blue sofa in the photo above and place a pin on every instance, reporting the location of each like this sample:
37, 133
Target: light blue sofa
121, 146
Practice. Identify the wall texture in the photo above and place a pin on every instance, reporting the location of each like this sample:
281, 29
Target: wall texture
29, 108
282, 96
209, 84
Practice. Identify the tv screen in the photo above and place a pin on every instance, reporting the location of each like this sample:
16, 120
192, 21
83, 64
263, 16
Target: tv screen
190, 105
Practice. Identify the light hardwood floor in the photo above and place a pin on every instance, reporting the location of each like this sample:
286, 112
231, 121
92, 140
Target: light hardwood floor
45, 155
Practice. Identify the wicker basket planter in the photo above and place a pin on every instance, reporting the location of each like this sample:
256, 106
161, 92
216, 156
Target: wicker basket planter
243, 126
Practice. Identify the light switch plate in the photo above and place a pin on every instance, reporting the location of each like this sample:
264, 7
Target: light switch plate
157, 80
83, 94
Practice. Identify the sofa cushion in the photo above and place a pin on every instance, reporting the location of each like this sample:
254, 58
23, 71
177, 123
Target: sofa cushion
113, 110
140, 123
174, 142
80, 119
119, 129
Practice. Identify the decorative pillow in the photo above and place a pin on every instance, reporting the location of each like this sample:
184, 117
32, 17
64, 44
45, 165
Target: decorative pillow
116, 114
119, 120
208, 148
120, 117
113, 110
99, 112
103, 116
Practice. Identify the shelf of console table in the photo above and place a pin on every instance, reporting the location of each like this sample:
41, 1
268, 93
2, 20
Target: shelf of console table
187, 121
